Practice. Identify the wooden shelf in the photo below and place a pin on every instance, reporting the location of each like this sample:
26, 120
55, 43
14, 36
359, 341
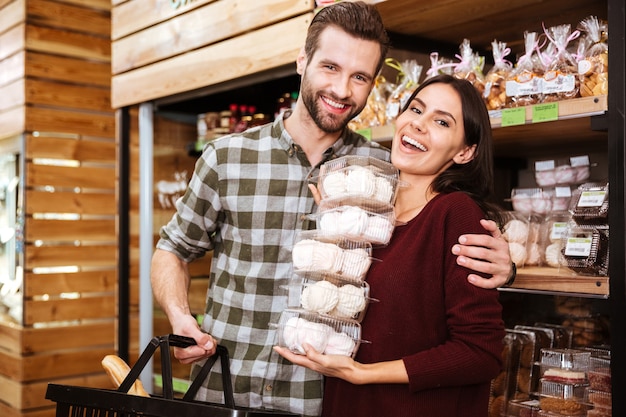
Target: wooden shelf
564, 281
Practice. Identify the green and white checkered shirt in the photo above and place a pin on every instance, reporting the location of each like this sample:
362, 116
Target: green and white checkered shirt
246, 201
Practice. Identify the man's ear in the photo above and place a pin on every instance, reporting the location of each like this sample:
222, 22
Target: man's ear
301, 61
464, 156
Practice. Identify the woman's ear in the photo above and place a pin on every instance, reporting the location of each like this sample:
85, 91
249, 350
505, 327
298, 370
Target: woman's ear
465, 155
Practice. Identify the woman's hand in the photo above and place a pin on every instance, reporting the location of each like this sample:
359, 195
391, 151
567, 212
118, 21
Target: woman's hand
337, 366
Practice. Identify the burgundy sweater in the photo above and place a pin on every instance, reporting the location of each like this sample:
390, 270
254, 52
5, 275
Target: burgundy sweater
447, 331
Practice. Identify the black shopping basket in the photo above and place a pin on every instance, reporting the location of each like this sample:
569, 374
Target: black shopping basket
73, 401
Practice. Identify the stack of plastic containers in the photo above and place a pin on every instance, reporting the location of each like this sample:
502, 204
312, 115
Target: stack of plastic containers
600, 387
328, 295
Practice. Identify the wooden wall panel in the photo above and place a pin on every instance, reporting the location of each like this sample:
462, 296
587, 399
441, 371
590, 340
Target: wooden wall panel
58, 120
93, 256
45, 311
60, 14
12, 68
74, 44
12, 122
11, 14
135, 15
70, 202
69, 96
12, 41
85, 230
82, 282
206, 25
12, 95
244, 55
70, 69
71, 147
59, 176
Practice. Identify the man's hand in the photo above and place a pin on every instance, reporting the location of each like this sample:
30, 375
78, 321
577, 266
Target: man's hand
205, 346
487, 254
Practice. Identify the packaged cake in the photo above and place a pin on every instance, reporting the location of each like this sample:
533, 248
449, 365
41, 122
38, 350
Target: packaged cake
562, 398
594, 67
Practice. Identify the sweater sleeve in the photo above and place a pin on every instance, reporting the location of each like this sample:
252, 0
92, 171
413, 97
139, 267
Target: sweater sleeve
471, 353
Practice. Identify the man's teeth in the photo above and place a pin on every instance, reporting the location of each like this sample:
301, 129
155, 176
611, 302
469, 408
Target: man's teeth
334, 103
414, 143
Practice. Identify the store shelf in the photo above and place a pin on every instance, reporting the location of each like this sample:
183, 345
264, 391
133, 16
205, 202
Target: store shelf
560, 281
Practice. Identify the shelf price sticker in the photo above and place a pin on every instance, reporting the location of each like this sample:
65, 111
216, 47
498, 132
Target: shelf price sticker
367, 132
578, 246
513, 117
592, 198
548, 112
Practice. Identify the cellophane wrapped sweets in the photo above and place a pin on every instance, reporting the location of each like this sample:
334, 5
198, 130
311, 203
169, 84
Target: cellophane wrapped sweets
439, 66
374, 113
594, 67
523, 87
495, 80
470, 67
409, 73
560, 80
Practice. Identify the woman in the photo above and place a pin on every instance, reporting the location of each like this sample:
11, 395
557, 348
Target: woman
434, 340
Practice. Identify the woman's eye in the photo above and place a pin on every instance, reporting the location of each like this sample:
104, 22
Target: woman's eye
443, 123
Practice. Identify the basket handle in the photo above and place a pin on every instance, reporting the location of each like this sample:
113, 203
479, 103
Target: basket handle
164, 343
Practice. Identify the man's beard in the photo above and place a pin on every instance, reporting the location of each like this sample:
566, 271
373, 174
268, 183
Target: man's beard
326, 121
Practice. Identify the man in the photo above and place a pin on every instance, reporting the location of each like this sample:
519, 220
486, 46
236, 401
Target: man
248, 199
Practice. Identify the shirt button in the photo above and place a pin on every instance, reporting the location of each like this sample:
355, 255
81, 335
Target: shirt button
268, 388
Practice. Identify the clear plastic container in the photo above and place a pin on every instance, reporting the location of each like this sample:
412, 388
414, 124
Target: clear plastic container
332, 295
329, 335
356, 223
600, 374
564, 399
332, 254
569, 359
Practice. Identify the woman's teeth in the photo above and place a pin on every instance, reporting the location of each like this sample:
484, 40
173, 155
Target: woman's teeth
414, 143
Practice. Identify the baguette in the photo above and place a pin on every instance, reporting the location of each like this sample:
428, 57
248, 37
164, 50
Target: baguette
117, 370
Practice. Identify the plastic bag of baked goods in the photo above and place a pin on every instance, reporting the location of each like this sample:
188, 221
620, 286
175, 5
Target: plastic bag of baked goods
594, 68
470, 67
523, 86
439, 65
407, 80
374, 113
560, 79
495, 80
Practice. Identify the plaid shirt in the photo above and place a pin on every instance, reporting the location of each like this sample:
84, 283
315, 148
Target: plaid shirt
247, 200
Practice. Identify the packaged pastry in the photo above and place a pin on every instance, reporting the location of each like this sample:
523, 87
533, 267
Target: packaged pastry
439, 65
600, 374
559, 80
470, 67
590, 203
531, 201
495, 79
328, 335
374, 112
562, 398
553, 232
332, 295
315, 252
407, 80
524, 84
568, 366
586, 250
594, 68
364, 223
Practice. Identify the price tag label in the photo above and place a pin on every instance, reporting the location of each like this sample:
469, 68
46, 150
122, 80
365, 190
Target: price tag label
578, 246
558, 231
591, 198
545, 112
514, 116
365, 132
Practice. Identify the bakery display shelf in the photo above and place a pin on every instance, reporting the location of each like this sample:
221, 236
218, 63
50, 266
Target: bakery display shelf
559, 281
573, 123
